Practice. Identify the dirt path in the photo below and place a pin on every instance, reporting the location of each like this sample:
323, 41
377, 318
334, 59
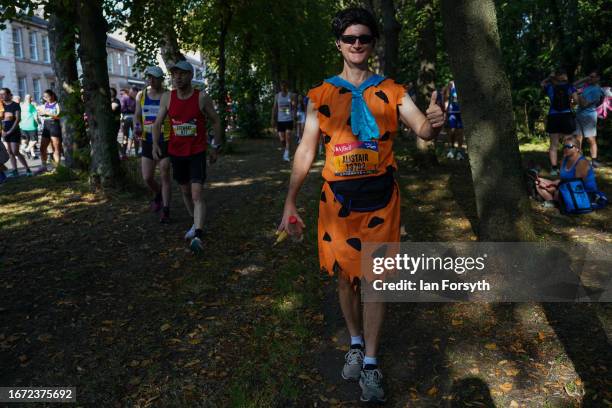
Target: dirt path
98, 295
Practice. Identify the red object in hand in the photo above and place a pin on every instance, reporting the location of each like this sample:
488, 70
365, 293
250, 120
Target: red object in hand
293, 219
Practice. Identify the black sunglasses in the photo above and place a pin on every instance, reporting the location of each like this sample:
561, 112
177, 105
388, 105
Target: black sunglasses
569, 146
351, 39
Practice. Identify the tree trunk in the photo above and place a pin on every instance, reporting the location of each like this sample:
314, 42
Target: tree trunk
169, 48
486, 104
426, 51
63, 59
105, 168
226, 17
391, 30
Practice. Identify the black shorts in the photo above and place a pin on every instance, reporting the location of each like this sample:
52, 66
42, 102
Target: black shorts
147, 150
284, 126
30, 135
563, 123
14, 137
187, 169
52, 128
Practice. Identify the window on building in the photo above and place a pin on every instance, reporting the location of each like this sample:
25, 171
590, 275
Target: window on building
36, 90
130, 72
52, 86
120, 64
46, 51
33, 46
22, 87
109, 60
17, 43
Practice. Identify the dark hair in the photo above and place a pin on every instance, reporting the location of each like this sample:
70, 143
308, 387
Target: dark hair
594, 71
560, 71
113, 91
7, 90
135, 89
51, 94
352, 16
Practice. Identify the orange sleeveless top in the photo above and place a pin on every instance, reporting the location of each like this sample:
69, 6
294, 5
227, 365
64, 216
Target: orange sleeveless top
345, 156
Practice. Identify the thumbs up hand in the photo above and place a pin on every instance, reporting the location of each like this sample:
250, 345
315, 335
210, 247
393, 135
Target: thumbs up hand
434, 113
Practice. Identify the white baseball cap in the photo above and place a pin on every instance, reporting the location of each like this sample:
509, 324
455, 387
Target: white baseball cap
154, 71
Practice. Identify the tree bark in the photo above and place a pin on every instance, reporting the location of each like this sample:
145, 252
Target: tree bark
391, 30
105, 168
426, 51
226, 18
62, 34
169, 48
473, 46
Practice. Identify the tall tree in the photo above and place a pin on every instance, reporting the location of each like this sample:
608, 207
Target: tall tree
426, 51
473, 46
105, 167
62, 24
391, 31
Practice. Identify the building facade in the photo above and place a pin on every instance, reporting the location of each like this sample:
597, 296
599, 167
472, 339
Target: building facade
25, 60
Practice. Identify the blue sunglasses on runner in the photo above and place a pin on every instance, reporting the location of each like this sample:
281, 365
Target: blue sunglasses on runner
351, 39
569, 146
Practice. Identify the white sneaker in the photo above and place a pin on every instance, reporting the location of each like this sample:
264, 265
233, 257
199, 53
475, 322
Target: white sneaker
191, 233
459, 156
286, 156
451, 154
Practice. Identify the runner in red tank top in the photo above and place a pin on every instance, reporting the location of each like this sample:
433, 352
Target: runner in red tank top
188, 110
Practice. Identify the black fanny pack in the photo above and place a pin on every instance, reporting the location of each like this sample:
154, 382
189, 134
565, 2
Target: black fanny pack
364, 194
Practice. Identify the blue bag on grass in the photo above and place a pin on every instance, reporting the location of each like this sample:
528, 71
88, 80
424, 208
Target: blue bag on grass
573, 197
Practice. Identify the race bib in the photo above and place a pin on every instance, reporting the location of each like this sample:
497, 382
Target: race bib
356, 158
185, 129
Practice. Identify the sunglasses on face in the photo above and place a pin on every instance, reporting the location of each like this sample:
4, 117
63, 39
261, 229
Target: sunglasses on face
569, 146
351, 39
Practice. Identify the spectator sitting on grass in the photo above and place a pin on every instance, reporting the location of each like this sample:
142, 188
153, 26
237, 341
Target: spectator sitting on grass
574, 165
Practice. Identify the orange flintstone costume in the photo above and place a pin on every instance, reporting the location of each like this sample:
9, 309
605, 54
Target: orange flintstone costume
363, 167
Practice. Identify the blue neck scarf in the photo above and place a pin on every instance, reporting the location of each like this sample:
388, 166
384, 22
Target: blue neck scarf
363, 123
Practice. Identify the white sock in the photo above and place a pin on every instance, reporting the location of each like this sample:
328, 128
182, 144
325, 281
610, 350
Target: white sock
357, 340
370, 360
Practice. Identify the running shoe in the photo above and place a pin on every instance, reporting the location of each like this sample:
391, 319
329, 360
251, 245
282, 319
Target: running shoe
191, 233
28, 173
286, 156
14, 173
459, 156
353, 361
554, 172
155, 206
450, 154
548, 204
370, 382
196, 246
164, 218
43, 169
596, 163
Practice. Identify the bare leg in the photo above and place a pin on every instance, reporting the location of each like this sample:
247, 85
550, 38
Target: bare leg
44, 144
373, 315
593, 147
350, 303
148, 174
166, 183
187, 198
199, 206
16, 154
57, 148
553, 150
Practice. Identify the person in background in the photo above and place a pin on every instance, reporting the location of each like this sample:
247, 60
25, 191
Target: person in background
302, 102
560, 122
52, 130
11, 135
128, 108
586, 115
29, 126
